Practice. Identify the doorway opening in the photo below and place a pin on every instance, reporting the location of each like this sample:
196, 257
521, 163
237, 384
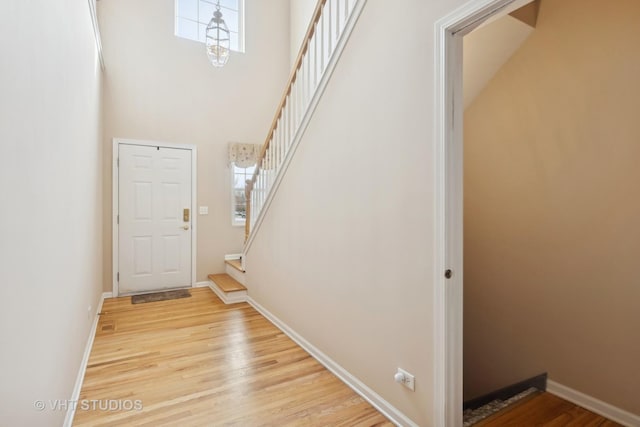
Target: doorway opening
549, 211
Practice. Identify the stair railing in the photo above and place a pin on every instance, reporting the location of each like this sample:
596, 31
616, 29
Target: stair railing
331, 23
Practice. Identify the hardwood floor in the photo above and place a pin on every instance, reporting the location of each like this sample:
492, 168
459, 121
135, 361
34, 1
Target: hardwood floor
198, 362
546, 410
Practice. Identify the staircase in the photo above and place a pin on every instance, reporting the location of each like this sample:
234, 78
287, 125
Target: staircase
331, 25
229, 286
330, 28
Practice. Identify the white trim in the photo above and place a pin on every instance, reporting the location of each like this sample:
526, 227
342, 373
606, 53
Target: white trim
202, 284
231, 298
595, 405
115, 207
96, 31
354, 383
304, 122
448, 215
75, 394
231, 257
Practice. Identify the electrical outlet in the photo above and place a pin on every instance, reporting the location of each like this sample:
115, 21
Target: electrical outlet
406, 379
203, 210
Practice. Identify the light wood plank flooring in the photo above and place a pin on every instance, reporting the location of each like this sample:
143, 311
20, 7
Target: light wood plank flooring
198, 362
546, 410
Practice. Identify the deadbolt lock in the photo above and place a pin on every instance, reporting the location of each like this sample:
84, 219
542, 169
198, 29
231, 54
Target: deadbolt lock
185, 215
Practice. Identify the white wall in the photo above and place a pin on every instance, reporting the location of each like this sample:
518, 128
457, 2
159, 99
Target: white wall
51, 189
161, 87
345, 254
300, 18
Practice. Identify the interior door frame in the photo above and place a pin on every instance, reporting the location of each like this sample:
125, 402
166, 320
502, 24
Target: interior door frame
116, 208
449, 174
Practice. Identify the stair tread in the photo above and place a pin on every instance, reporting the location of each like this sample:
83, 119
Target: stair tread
235, 263
227, 283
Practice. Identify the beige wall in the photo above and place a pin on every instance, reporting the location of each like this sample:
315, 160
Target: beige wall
345, 253
301, 12
160, 87
486, 50
552, 235
51, 187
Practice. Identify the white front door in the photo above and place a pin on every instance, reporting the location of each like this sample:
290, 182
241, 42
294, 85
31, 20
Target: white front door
154, 230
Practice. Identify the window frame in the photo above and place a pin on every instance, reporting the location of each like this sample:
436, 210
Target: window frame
241, 24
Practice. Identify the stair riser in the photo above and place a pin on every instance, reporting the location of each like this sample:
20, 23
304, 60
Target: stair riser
238, 275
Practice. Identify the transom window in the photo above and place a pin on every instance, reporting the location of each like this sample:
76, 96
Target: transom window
192, 17
238, 197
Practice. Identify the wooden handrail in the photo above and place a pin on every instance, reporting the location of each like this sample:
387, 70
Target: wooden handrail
317, 13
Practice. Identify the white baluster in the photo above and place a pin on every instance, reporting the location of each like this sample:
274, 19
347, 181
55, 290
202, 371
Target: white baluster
321, 36
328, 42
307, 79
276, 138
314, 57
280, 140
293, 107
285, 116
303, 96
340, 19
276, 151
296, 103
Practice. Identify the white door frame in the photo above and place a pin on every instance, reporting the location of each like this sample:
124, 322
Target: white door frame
116, 208
448, 232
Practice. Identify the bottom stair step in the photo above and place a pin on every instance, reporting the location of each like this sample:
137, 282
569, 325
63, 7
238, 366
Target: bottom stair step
228, 289
227, 283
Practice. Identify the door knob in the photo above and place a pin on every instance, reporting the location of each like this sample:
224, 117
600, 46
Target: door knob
185, 227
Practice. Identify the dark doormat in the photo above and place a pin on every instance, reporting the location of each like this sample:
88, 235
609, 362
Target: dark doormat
161, 296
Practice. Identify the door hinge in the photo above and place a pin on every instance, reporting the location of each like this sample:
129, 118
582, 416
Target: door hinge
118, 162
118, 277
117, 219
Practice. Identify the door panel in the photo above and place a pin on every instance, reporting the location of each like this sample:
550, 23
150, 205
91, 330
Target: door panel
154, 240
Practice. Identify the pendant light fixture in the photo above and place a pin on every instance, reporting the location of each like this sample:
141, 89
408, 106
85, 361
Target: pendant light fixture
218, 41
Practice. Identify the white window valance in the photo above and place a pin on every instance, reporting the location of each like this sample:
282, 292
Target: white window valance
244, 155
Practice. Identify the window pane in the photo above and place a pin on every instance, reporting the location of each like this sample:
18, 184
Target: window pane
229, 4
206, 12
188, 9
187, 29
231, 19
239, 182
202, 12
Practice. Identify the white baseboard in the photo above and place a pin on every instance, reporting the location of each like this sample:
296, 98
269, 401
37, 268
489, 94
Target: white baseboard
591, 403
75, 395
232, 298
355, 384
202, 284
